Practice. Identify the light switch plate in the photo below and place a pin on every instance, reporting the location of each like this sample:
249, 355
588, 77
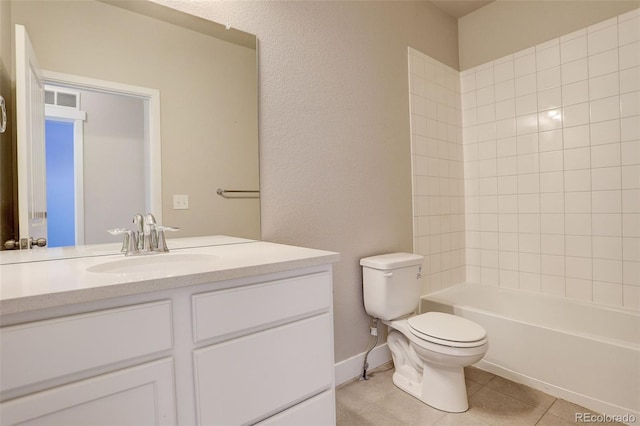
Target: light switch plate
180, 202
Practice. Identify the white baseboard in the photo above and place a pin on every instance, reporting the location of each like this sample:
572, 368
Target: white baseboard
352, 367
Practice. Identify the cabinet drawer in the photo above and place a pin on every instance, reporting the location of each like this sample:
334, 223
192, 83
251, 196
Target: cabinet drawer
249, 378
316, 411
44, 350
141, 395
236, 311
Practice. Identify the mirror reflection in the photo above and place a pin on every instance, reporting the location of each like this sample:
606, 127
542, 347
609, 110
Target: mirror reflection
206, 77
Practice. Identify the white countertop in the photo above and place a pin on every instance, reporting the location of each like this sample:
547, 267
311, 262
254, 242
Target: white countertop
37, 279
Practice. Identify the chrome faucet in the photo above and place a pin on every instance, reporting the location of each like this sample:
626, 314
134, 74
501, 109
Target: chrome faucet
147, 238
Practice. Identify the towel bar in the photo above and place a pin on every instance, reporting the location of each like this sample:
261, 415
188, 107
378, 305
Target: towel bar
220, 191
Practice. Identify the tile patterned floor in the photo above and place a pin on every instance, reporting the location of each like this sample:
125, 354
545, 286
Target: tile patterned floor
492, 401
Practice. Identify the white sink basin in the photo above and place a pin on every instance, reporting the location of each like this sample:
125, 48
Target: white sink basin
165, 264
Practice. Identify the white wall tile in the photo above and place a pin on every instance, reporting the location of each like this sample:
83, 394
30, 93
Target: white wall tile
503, 70
530, 281
605, 39
524, 64
577, 202
631, 201
484, 77
550, 99
578, 267
577, 180
551, 161
571, 50
552, 265
630, 104
505, 109
551, 182
631, 273
607, 293
526, 104
552, 140
552, 244
579, 289
630, 128
553, 285
606, 178
575, 137
628, 30
605, 109
606, 201
630, 80
630, 152
631, 297
550, 120
551, 167
607, 247
525, 85
504, 90
552, 223
603, 63
577, 158
608, 225
605, 132
552, 202
575, 71
600, 87
605, 155
629, 56
631, 249
607, 270
575, 115
578, 245
548, 78
577, 224
578, 92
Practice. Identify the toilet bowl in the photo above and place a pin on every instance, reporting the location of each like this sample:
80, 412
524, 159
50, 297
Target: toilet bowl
431, 367
429, 350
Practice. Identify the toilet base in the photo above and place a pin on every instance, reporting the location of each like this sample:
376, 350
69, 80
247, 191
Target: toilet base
437, 385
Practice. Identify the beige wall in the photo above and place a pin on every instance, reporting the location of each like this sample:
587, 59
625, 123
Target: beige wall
334, 129
208, 100
507, 26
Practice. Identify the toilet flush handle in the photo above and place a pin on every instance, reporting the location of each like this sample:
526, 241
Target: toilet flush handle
388, 274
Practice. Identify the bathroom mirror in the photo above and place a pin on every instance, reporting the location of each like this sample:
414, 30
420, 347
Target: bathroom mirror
206, 75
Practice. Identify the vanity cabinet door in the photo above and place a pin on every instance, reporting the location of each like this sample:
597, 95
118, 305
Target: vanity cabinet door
317, 411
250, 378
139, 396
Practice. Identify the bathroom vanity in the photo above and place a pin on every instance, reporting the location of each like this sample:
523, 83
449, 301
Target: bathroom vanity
220, 331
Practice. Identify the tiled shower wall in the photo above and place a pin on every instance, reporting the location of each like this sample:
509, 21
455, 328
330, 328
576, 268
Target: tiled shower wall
552, 166
551, 171
437, 163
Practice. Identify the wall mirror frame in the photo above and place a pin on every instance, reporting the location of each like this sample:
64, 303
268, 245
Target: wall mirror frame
208, 96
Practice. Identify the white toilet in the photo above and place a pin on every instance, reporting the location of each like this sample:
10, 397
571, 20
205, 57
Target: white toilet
429, 350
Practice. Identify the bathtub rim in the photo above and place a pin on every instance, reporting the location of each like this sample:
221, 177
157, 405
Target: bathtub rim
437, 297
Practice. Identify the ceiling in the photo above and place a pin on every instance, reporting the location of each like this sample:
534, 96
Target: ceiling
458, 8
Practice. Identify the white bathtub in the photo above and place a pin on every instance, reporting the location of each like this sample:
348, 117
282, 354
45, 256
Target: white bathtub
584, 353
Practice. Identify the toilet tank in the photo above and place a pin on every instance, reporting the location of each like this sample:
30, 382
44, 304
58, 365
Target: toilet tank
391, 284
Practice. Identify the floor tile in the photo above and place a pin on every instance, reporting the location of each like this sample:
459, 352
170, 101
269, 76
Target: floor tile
497, 408
522, 393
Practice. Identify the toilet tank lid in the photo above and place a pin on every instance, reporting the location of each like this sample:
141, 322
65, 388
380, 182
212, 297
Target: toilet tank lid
392, 261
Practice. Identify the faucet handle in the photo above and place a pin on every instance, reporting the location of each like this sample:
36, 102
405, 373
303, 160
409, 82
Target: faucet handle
129, 244
162, 242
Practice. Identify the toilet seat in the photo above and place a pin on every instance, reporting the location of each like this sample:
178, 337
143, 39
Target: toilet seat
448, 330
